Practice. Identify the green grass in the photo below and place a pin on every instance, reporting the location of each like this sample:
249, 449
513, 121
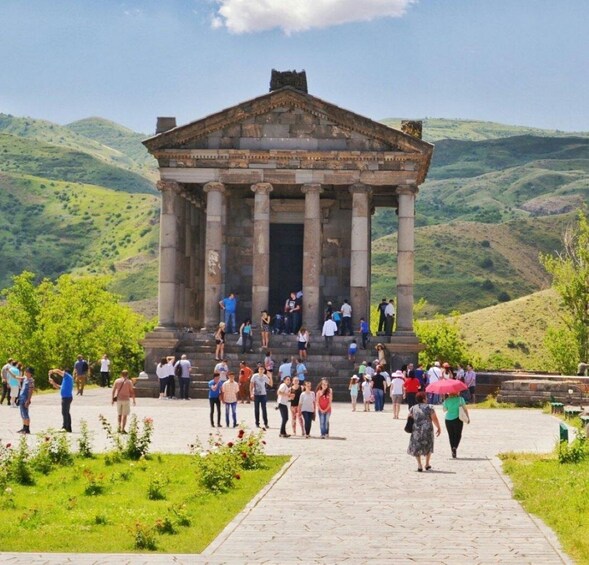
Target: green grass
556, 493
55, 515
491, 403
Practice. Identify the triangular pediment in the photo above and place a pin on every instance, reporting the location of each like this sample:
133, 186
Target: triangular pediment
287, 119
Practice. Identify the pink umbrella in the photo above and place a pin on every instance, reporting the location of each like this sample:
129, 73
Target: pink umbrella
446, 386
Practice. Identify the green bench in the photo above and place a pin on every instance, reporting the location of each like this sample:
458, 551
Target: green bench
556, 407
572, 411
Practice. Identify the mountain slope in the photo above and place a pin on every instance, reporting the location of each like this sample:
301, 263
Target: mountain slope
30, 156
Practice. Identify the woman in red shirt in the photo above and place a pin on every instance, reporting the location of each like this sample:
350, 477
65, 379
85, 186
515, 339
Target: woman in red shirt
411, 387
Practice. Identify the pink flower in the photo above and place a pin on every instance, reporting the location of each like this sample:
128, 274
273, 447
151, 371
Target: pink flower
230, 444
241, 434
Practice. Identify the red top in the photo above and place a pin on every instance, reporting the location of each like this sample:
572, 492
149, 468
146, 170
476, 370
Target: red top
412, 385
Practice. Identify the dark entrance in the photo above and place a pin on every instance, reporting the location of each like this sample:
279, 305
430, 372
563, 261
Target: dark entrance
286, 264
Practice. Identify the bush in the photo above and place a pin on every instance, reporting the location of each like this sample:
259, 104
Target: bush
155, 489
139, 440
144, 537
573, 452
20, 468
85, 441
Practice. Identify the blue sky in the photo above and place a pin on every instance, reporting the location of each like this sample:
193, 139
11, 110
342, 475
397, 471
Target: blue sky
513, 61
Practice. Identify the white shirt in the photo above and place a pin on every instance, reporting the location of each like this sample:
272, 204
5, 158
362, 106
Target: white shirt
397, 385
222, 369
283, 392
346, 310
163, 371
329, 328
470, 378
104, 365
434, 374
389, 310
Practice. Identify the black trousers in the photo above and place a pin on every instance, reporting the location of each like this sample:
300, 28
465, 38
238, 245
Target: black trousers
454, 428
215, 402
347, 325
184, 387
65, 413
5, 393
382, 320
284, 415
171, 384
104, 378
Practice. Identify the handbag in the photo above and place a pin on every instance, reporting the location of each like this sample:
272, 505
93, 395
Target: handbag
409, 424
463, 415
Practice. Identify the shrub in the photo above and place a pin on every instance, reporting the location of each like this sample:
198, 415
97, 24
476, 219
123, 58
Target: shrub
574, 452
165, 526
85, 441
144, 537
249, 449
20, 468
155, 490
181, 515
139, 440
95, 483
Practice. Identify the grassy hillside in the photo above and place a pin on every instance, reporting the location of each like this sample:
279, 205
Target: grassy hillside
28, 156
51, 227
435, 129
465, 266
68, 138
511, 335
118, 137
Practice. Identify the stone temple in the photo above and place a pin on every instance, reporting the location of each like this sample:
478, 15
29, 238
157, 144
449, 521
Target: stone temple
276, 194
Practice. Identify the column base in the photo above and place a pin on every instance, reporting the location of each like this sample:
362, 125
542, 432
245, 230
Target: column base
403, 348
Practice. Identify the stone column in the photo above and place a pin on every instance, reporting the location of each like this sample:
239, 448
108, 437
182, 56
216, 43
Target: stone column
261, 249
312, 257
405, 258
360, 252
168, 249
213, 252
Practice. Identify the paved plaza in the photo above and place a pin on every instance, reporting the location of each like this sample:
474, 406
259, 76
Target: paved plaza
354, 498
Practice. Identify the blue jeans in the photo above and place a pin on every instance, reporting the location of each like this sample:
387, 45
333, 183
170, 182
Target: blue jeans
230, 322
378, 399
324, 423
184, 387
433, 398
233, 407
308, 419
260, 401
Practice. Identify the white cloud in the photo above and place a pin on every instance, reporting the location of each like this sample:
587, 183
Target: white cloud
249, 16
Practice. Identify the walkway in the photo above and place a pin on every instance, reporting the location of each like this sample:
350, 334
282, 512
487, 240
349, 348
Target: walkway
355, 498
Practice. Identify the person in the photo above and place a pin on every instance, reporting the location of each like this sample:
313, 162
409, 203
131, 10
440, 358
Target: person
245, 333
379, 386
367, 392
302, 342
337, 318
364, 332
421, 376
14, 379
220, 342
297, 312
122, 393
289, 315
265, 322
411, 387
245, 374
229, 392
324, 398
454, 424
382, 318
295, 411
5, 385
66, 392
259, 394
433, 376
165, 374
300, 371
390, 317
105, 371
447, 372
24, 400
307, 408
328, 331
470, 380
269, 364
284, 369
421, 442
352, 348
397, 392
183, 367
222, 368
346, 310
229, 307
328, 313
215, 385
283, 400
381, 354
81, 374
353, 388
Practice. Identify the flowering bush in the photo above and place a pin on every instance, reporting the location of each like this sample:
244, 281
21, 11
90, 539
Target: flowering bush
20, 468
52, 448
144, 537
249, 449
85, 441
139, 440
95, 483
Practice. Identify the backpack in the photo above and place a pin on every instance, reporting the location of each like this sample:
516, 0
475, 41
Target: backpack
178, 369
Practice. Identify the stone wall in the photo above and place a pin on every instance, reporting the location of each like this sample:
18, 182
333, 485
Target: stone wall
537, 392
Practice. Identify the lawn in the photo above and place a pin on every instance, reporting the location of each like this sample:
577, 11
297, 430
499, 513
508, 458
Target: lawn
557, 493
101, 505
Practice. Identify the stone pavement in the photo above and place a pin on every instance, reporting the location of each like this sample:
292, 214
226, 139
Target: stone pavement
354, 498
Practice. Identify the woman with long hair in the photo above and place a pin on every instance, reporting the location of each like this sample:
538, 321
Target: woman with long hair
265, 328
302, 342
308, 406
295, 408
220, 342
245, 332
324, 400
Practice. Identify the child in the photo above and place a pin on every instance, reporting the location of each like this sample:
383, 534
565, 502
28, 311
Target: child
353, 388
364, 330
367, 392
352, 351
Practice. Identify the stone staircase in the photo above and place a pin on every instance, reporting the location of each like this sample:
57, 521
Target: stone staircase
200, 350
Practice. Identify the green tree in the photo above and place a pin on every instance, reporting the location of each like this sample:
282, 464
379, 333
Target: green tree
49, 324
570, 278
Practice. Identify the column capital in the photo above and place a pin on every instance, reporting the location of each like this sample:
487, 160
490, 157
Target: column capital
164, 185
214, 186
262, 188
407, 189
360, 188
312, 188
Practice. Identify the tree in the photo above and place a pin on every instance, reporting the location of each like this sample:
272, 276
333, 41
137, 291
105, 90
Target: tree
570, 278
49, 324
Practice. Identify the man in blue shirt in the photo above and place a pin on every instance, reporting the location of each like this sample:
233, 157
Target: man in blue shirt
214, 398
229, 306
66, 390
24, 400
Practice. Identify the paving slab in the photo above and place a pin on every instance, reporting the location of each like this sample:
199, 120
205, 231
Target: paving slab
355, 499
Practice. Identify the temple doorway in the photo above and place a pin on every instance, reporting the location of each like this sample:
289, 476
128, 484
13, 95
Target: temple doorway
286, 264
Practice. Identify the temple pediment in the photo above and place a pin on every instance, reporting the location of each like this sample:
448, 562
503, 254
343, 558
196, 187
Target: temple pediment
287, 120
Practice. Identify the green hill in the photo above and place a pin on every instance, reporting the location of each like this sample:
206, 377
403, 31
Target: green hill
435, 129
29, 156
118, 137
51, 227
